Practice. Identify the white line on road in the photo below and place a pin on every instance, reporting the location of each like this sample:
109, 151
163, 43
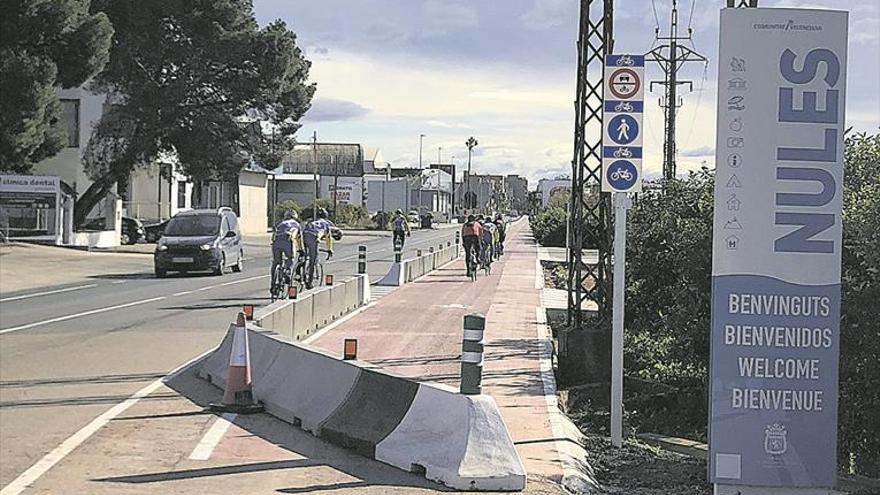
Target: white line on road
212, 437
79, 315
41, 467
38, 294
34, 472
119, 306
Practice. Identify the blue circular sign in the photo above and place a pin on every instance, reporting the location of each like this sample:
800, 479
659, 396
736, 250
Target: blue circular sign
622, 174
623, 129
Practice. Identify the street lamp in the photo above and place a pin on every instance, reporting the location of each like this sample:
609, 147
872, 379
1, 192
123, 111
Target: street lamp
471, 143
421, 137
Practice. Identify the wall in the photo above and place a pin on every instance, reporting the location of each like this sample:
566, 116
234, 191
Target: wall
67, 164
252, 202
388, 196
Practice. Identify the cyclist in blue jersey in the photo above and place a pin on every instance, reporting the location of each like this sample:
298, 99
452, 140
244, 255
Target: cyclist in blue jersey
400, 228
319, 229
286, 242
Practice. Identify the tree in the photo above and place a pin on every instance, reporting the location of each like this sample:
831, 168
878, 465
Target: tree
44, 44
199, 80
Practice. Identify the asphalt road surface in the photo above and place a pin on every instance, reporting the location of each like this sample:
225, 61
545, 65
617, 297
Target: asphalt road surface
69, 353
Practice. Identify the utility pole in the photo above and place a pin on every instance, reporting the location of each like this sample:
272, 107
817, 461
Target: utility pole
471, 143
315, 172
439, 156
421, 138
670, 56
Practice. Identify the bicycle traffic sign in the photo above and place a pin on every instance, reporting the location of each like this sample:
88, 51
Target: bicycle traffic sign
622, 117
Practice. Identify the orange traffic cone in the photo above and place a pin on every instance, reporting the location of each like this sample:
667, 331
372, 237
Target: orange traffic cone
238, 396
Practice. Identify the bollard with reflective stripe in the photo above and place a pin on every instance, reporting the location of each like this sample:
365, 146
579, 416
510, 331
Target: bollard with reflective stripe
457, 242
362, 259
431, 249
397, 255
472, 354
419, 253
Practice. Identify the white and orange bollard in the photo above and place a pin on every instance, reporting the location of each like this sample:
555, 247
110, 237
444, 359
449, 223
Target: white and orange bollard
238, 395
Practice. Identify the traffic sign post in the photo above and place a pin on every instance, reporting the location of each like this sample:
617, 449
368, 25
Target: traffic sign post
776, 252
621, 173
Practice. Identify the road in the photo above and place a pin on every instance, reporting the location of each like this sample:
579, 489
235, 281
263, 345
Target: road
68, 353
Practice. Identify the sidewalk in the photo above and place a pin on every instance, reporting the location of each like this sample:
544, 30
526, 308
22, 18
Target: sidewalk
416, 331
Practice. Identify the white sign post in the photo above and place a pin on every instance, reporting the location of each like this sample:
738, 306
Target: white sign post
621, 173
776, 252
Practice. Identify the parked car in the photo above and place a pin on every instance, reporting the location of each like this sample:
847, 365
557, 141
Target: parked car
132, 229
153, 232
413, 218
198, 240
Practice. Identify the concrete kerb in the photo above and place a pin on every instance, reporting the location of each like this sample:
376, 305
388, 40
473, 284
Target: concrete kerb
460, 441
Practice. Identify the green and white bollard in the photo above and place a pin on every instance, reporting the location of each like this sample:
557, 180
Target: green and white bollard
472, 354
362, 259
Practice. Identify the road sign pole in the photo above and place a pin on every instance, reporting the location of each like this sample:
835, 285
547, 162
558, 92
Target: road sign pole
621, 204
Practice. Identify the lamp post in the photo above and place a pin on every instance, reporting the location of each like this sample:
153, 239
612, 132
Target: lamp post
421, 138
471, 143
315, 171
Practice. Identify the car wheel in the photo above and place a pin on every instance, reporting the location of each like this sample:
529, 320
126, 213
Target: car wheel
160, 273
218, 270
124, 239
240, 264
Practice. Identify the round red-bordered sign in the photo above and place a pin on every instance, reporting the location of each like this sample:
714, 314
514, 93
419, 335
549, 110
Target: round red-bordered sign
624, 83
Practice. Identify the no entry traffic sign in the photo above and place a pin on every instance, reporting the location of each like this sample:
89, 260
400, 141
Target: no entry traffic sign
624, 83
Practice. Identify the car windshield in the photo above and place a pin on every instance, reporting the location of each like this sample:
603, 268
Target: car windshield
193, 225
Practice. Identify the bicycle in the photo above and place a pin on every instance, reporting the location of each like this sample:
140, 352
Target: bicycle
471, 262
281, 281
486, 259
318, 277
621, 174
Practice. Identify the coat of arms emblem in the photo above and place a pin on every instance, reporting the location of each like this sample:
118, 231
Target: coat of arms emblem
774, 439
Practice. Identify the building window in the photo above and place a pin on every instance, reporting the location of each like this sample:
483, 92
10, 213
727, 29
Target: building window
70, 120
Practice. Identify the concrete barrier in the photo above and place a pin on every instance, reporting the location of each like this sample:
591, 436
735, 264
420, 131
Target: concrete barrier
296, 319
458, 440
410, 269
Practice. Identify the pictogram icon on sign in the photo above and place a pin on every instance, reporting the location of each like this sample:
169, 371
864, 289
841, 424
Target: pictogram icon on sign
623, 129
622, 174
624, 83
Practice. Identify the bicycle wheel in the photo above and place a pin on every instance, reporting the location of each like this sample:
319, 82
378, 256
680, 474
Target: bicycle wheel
319, 274
275, 284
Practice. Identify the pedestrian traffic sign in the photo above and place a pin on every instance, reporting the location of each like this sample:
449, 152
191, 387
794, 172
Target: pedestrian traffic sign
622, 117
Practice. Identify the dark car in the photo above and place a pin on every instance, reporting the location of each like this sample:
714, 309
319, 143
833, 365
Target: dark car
132, 229
199, 240
153, 232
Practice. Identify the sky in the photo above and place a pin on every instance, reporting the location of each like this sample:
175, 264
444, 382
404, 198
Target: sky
504, 72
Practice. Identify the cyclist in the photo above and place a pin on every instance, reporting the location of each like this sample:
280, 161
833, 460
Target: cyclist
502, 234
286, 243
488, 241
470, 239
400, 227
315, 231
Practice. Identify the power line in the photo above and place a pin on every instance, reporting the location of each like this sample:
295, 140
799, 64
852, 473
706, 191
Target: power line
670, 56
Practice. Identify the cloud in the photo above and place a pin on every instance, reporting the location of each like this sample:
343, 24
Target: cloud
547, 14
444, 17
332, 110
698, 152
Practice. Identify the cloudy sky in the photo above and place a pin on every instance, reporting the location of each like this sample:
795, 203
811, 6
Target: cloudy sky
504, 72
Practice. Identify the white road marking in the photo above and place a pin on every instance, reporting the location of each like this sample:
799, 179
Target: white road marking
79, 315
117, 282
118, 306
33, 473
38, 294
41, 467
182, 293
212, 437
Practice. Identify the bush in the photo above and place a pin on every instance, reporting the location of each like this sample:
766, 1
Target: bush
550, 223
669, 266
382, 219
